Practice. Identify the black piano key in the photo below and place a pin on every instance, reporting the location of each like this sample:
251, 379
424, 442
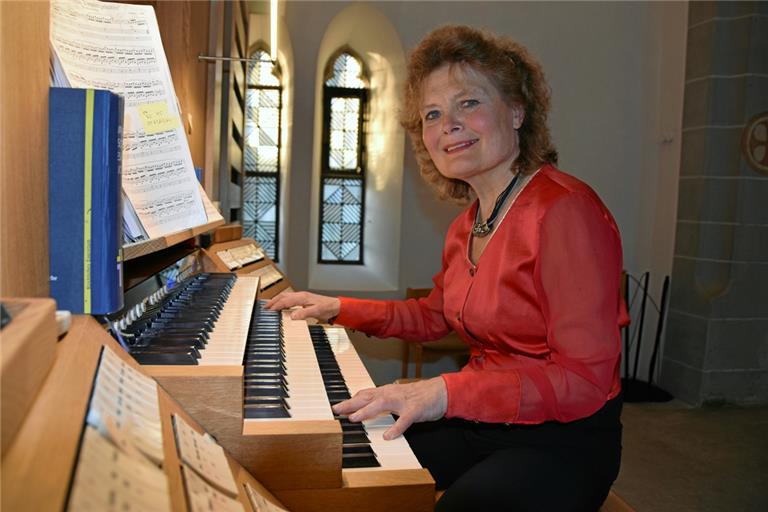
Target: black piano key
169, 358
260, 412
359, 461
354, 438
266, 391
357, 449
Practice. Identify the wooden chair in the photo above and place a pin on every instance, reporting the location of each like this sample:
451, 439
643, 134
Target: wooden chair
449, 344
614, 503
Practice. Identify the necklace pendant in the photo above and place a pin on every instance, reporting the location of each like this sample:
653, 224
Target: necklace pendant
481, 229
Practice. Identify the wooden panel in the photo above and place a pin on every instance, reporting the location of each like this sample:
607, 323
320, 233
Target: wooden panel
184, 30
240, 34
280, 454
24, 149
28, 351
37, 470
236, 156
215, 71
614, 503
237, 72
406, 490
157, 244
39, 464
227, 233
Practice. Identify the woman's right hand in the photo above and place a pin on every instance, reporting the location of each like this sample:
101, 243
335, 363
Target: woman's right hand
312, 305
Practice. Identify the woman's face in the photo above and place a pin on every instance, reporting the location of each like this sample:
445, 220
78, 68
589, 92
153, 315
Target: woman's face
467, 128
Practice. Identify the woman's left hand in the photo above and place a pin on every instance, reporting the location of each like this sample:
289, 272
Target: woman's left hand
425, 400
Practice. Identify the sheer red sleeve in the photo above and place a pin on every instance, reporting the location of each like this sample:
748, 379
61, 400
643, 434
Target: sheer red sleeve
578, 278
413, 319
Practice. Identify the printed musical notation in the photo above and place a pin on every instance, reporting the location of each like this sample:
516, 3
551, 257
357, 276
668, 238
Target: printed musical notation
109, 479
124, 407
118, 47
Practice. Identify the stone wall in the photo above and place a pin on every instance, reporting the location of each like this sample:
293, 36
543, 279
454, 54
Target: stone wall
716, 347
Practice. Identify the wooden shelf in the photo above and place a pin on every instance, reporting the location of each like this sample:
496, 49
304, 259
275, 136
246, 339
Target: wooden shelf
133, 251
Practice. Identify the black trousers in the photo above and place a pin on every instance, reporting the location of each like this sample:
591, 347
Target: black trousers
548, 467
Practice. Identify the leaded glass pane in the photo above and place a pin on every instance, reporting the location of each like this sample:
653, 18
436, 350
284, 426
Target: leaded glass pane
342, 222
260, 73
344, 136
347, 72
260, 211
262, 130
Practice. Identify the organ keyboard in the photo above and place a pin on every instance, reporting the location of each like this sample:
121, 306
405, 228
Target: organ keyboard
393, 454
251, 378
391, 478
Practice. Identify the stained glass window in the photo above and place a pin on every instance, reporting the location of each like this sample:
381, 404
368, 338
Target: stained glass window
343, 170
261, 190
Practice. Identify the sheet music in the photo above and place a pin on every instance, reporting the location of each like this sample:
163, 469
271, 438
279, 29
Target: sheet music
117, 47
204, 498
107, 479
269, 275
203, 455
260, 503
124, 407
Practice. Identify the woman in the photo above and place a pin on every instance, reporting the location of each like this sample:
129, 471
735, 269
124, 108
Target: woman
529, 279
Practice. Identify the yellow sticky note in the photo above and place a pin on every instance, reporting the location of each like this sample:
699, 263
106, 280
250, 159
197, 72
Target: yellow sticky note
156, 118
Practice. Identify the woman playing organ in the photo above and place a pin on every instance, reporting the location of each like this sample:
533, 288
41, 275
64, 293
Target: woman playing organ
529, 280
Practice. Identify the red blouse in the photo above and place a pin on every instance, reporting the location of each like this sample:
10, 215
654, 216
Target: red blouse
541, 310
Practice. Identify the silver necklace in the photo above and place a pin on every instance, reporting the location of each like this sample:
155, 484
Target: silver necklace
482, 229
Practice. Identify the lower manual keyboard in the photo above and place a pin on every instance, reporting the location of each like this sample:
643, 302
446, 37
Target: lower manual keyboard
388, 455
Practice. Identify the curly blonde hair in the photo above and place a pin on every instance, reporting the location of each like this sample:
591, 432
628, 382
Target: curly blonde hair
513, 71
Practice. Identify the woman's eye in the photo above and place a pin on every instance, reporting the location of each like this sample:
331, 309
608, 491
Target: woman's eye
431, 115
469, 103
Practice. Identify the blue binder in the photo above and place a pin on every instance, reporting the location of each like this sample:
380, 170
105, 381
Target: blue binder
85, 200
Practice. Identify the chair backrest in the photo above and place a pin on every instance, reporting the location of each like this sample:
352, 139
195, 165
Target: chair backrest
416, 293
450, 343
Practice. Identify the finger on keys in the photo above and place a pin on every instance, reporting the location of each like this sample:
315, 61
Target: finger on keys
350, 405
283, 301
400, 426
305, 312
373, 409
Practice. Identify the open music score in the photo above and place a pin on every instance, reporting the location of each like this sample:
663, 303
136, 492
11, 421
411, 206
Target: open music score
104, 472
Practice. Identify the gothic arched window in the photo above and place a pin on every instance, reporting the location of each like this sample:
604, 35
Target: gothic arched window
342, 187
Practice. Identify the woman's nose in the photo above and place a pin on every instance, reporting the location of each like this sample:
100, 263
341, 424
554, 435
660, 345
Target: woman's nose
451, 124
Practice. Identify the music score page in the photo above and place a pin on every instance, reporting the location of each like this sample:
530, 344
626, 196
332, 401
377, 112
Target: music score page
117, 47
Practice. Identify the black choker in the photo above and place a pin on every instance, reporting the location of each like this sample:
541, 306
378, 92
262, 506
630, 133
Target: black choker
481, 229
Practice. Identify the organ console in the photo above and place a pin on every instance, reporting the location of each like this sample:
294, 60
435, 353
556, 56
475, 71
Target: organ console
259, 383
262, 385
